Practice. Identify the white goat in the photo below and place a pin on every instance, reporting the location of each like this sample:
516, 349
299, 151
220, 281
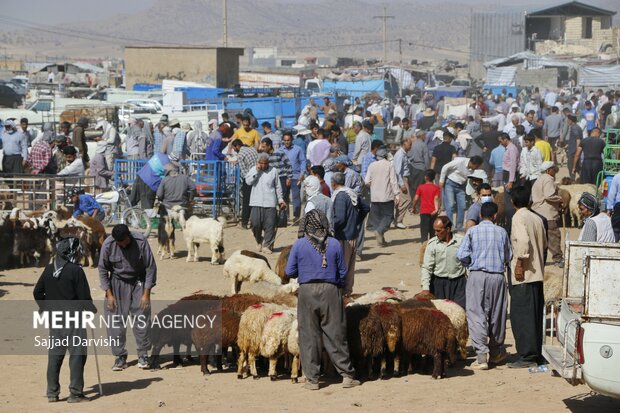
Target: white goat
240, 268
200, 230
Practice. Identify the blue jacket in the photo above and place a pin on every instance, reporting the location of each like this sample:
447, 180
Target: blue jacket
86, 204
305, 263
213, 152
346, 217
153, 172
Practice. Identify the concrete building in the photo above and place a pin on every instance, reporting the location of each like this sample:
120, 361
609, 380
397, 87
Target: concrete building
569, 28
218, 66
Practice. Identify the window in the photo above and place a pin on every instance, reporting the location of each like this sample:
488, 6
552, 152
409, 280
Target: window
586, 27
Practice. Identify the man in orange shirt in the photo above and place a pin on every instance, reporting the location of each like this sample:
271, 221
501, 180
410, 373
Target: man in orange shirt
248, 135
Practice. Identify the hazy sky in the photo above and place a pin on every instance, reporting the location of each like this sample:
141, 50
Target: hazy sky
59, 11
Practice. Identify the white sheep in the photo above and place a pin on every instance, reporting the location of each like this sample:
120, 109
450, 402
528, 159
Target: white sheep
199, 230
240, 268
391, 295
274, 342
458, 318
250, 335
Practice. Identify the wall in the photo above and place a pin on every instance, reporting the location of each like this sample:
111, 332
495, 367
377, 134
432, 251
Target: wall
574, 32
544, 78
216, 66
494, 35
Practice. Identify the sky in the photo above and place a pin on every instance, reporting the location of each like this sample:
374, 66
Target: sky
54, 12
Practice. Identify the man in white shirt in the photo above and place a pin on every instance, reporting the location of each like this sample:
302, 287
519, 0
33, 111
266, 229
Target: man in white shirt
74, 167
453, 180
511, 128
362, 142
499, 119
353, 115
399, 110
530, 161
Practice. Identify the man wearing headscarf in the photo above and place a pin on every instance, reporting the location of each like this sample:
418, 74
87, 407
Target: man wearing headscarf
384, 192
349, 214
47, 133
197, 140
158, 137
317, 262
316, 200
179, 144
15, 147
63, 286
266, 195
547, 202
136, 141
596, 226
99, 169
112, 141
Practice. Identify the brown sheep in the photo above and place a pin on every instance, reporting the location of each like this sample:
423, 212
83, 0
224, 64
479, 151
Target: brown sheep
97, 238
203, 341
365, 338
416, 303
389, 318
281, 264
428, 332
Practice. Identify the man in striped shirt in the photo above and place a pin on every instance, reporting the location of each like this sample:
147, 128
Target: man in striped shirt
485, 251
247, 157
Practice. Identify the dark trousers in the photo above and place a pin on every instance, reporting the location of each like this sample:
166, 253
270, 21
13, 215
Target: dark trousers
415, 179
246, 190
553, 142
526, 312
264, 220
426, 227
450, 289
12, 164
141, 193
322, 323
570, 161
529, 183
77, 360
382, 214
509, 209
590, 170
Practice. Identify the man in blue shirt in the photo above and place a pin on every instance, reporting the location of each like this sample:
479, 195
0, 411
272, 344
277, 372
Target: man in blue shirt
613, 205
370, 157
486, 251
297, 158
591, 117
317, 261
86, 204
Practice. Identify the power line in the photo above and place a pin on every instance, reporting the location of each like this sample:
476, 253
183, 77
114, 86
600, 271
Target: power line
385, 17
332, 46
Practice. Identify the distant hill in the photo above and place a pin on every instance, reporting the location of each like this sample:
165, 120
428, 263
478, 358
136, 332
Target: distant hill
299, 28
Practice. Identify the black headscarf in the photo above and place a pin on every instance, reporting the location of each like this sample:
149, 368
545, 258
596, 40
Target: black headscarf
316, 230
67, 250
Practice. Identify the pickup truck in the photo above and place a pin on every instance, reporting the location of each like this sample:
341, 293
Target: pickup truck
585, 321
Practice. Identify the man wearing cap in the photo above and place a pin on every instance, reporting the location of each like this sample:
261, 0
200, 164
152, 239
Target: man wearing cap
574, 136
453, 181
362, 142
175, 188
553, 127
530, 161
547, 202
384, 192
15, 146
401, 168
75, 166
352, 178
112, 141
596, 225
266, 195
40, 156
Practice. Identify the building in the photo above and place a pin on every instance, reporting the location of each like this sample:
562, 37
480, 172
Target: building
218, 66
569, 28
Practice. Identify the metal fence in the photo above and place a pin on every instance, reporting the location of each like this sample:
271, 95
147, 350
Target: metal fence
41, 192
217, 184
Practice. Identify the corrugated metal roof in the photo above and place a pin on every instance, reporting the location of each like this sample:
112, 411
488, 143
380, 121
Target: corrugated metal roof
533, 61
573, 8
591, 76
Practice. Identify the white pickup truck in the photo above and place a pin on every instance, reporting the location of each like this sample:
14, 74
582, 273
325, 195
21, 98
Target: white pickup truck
585, 322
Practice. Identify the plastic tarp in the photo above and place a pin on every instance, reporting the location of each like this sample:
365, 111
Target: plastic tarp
146, 87
591, 76
501, 76
355, 88
530, 61
456, 107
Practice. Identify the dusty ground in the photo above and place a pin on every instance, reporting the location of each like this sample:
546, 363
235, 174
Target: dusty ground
496, 390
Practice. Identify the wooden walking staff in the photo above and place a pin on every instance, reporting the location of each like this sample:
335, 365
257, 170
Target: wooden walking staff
92, 331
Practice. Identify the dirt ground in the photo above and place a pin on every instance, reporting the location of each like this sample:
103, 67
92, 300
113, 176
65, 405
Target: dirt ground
184, 389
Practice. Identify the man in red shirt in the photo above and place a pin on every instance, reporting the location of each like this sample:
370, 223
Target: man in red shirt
428, 195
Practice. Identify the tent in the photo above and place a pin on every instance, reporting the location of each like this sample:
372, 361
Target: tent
595, 76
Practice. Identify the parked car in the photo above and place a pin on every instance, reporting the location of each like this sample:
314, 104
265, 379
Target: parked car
9, 96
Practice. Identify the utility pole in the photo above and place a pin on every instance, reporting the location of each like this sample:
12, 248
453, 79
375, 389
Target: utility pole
225, 7
385, 17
